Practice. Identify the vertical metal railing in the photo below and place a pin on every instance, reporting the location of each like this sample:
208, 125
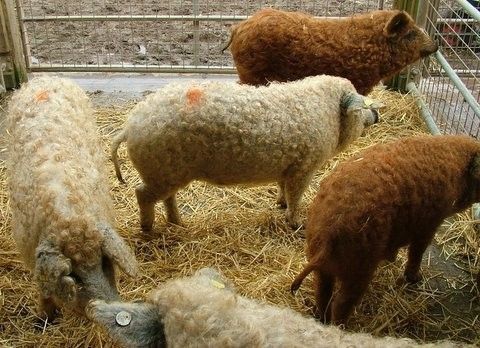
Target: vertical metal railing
450, 83
196, 34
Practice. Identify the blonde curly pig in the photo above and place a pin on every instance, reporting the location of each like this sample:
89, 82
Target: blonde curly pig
225, 133
203, 310
62, 212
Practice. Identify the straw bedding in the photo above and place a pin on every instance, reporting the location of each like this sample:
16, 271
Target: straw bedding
240, 231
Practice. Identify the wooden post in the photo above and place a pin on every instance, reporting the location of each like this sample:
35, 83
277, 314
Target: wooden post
11, 49
4, 49
418, 10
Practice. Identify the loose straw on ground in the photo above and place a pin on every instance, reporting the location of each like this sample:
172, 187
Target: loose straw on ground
240, 231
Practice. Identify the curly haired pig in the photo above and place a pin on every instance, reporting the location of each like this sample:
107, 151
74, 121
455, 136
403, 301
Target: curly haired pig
389, 196
62, 213
275, 45
205, 311
226, 134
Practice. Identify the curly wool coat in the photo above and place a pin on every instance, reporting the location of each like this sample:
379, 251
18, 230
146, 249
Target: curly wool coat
225, 133
62, 212
275, 45
387, 197
204, 310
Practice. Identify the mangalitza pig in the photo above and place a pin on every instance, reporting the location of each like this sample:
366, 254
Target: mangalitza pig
62, 212
225, 133
275, 45
389, 196
204, 310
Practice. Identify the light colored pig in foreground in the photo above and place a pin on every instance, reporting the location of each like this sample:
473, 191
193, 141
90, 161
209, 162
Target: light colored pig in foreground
204, 311
62, 212
226, 134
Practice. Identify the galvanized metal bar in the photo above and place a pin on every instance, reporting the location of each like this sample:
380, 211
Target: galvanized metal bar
472, 11
146, 18
459, 72
196, 34
202, 69
424, 109
457, 20
136, 18
458, 83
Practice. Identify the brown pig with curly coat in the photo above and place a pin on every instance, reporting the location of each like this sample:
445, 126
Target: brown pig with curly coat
389, 196
276, 45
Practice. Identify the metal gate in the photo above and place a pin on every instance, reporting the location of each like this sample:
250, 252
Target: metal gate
147, 35
450, 79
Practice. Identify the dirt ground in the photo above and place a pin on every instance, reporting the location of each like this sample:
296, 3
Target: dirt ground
152, 42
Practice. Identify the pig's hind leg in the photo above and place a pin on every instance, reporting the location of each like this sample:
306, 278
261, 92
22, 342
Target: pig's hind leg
147, 197
295, 185
323, 284
349, 294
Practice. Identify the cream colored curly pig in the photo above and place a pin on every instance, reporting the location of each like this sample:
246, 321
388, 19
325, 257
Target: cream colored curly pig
204, 311
62, 212
225, 133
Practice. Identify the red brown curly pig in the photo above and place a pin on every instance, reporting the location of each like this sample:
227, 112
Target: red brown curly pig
387, 197
275, 45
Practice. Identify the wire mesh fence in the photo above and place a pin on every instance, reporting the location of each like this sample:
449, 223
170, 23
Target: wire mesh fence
121, 35
451, 78
190, 7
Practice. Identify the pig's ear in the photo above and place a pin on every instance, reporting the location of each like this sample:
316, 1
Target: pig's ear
397, 25
475, 166
52, 271
118, 251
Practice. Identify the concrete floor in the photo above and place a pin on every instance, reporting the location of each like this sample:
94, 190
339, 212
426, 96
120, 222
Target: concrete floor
110, 88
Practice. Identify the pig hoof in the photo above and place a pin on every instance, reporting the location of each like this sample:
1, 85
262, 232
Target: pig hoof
281, 202
42, 321
409, 279
413, 278
47, 313
174, 220
175, 223
295, 224
146, 228
44, 318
